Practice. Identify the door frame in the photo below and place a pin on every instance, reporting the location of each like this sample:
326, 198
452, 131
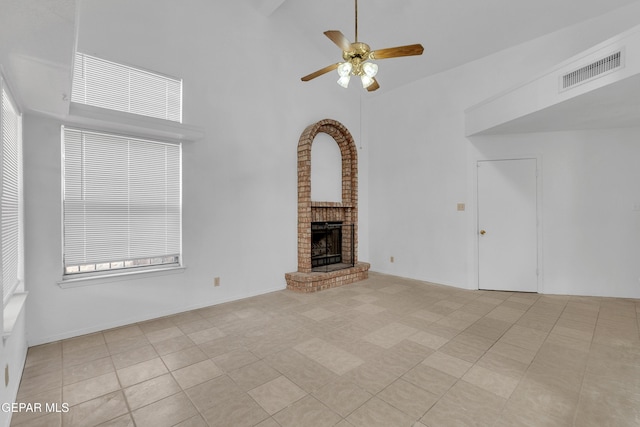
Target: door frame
474, 226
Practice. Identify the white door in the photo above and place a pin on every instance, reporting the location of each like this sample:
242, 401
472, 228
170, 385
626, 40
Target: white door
507, 225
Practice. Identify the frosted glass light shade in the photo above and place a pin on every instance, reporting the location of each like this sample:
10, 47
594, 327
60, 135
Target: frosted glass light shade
344, 69
344, 81
366, 81
370, 69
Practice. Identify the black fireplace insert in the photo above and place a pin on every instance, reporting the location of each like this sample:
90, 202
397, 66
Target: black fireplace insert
331, 246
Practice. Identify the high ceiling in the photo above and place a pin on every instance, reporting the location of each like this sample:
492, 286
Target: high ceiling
37, 36
453, 32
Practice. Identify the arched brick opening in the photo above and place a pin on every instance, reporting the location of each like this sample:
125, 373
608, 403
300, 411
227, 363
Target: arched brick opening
317, 211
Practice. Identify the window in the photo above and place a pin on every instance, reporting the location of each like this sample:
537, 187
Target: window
119, 87
11, 195
121, 203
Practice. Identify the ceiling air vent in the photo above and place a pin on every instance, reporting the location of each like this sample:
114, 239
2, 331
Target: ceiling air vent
593, 70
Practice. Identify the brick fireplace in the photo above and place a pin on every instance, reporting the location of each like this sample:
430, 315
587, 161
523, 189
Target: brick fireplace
345, 212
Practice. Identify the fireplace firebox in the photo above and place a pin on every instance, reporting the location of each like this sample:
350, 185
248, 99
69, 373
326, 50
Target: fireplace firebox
331, 246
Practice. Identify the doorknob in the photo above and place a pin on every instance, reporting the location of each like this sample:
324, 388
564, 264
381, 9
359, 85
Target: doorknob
483, 232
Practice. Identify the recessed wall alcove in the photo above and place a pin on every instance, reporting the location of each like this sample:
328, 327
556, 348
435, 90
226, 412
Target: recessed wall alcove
346, 211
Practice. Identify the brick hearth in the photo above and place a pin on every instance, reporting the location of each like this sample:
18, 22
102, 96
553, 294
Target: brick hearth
304, 280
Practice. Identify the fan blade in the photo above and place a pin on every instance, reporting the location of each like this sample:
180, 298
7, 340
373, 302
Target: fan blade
320, 72
339, 39
394, 52
373, 86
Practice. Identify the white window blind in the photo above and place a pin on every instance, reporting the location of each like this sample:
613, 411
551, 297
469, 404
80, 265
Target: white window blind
122, 202
119, 87
11, 197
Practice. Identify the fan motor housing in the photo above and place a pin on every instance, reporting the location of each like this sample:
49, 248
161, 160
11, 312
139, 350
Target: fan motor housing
358, 50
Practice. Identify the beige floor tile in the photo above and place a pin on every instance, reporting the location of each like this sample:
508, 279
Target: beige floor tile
195, 326
206, 335
448, 364
462, 351
329, 356
253, 375
370, 309
373, 376
235, 410
124, 332
173, 345
88, 370
80, 356
122, 421
126, 344
234, 360
39, 383
377, 413
269, 422
277, 394
212, 392
96, 411
430, 379
502, 365
307, 411
197, 373
151, 391
499, 384
46, 420
390, 335
195, 421
163, 334
318, 314
505, 314
543, 397
82, 342
467, 404
428, 340
376, 353
52, 397
166, 412
520, 354
183, 358
82, 391
342, 396
141, 372
156, 324
522, 416
527, 338
133, 357
427, 315
408, 398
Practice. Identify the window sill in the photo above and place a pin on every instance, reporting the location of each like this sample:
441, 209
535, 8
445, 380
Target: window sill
102, 119
118, 277
11, 313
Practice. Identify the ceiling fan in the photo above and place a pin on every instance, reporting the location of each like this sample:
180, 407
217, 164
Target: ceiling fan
358, 57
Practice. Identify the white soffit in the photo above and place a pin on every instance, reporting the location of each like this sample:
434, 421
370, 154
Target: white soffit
37, 42
606, 96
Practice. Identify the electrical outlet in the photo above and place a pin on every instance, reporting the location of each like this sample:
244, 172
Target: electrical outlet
392, 259
216, 281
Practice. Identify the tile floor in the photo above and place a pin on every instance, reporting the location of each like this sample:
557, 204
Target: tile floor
383, 352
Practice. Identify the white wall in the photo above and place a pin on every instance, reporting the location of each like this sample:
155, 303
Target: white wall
239, 182
13, 354
421, 166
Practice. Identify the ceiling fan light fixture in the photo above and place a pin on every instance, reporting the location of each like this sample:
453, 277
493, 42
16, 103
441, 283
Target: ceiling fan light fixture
370, 69
344, 81
344, 69
366, 81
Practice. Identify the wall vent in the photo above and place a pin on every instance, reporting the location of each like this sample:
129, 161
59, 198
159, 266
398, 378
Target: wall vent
592, 71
